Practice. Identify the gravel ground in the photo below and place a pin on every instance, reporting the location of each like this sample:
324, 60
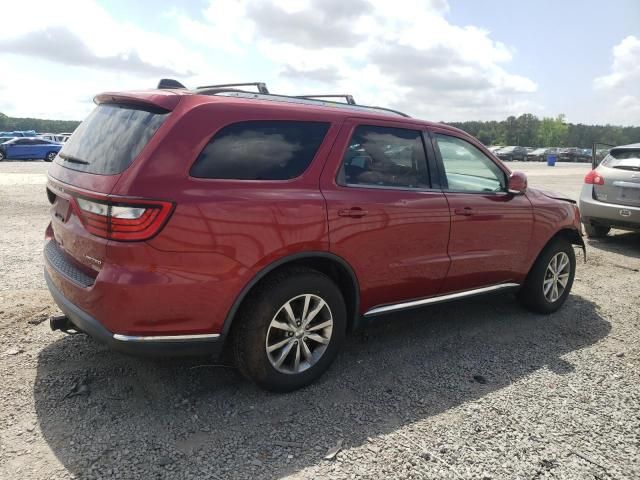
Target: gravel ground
479, 389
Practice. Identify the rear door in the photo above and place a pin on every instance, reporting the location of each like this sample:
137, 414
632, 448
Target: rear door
490, 228
386, 218
39, 148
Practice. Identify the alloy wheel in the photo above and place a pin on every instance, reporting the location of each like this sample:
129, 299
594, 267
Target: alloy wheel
556, 277
299, 334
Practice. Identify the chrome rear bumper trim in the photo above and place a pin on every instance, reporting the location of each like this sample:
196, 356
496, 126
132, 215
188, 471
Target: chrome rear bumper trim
438, 299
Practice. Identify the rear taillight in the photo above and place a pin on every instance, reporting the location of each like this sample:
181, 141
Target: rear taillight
594, 178
124, 219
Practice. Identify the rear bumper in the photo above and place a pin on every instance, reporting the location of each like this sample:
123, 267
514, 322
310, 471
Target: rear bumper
595, 212
174, 345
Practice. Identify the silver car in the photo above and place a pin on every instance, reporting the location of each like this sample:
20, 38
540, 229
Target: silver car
611, 193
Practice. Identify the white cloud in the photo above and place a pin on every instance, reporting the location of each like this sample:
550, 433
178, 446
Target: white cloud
57, 55
409, 57
620, 88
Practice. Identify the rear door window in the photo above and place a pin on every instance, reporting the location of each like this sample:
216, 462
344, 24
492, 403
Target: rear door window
384, 157
110, 138
260, 150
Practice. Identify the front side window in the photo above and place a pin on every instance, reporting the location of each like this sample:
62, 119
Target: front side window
260, 150
384, 157
466, 168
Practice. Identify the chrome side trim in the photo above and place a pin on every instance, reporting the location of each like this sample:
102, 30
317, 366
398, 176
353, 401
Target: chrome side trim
438, 299
165, 338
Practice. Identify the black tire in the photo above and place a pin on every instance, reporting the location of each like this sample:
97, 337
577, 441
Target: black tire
249, 336
1, 156
531, 295
50, 156
596, 231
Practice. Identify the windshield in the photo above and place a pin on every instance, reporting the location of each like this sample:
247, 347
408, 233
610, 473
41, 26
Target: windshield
111, 137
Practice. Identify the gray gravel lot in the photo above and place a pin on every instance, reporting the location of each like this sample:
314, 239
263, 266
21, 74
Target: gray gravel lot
479, 389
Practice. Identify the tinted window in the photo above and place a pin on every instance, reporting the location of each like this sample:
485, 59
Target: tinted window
260, 150
386, 157
110, 139
467, 169
22, 141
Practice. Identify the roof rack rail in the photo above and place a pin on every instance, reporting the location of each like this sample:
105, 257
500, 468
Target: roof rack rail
349, 98
298, 100
231, 90
261, 86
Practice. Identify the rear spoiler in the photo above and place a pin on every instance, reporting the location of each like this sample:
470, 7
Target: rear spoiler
162, 99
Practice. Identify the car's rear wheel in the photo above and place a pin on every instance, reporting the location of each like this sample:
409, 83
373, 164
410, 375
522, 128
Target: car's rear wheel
550, 280
596, 231
50, 156
1, 156
290, 329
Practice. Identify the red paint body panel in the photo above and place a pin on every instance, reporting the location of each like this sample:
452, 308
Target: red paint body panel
223, 233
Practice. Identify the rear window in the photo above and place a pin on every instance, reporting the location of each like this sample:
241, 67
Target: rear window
623, 159
260, 150
110, 138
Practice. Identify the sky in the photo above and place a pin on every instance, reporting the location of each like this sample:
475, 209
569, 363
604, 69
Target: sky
440, 60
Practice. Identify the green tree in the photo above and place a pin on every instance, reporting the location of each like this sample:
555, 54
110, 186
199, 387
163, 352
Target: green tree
553, 132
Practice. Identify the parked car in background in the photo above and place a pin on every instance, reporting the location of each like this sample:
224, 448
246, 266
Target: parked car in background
19, 133
494, 148
48, 136
29, 148
540, 154
512, 153
276, 224
574, 154
611, 193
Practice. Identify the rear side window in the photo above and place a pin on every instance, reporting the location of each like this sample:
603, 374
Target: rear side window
110, 138
384, 157
260, 150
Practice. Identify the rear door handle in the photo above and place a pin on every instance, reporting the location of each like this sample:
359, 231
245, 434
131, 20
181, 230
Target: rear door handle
466, 211
354, 212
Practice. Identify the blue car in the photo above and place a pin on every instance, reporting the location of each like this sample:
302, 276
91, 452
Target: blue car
29, 148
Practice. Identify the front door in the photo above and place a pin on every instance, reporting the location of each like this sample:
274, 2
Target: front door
490, 228
384, 217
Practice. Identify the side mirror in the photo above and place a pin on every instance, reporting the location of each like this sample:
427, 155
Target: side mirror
517, 183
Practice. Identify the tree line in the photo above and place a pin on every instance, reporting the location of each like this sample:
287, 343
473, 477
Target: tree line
527, 130
37, 124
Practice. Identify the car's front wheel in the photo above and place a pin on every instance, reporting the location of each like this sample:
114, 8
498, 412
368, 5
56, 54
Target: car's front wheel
2, 156
550, 280
290, 329
50, 156
596, 231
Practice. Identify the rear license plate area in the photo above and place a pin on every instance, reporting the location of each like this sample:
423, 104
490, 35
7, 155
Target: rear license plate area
61, 209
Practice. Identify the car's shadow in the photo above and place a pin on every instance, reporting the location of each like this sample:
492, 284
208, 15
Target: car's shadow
103, 413
621, 242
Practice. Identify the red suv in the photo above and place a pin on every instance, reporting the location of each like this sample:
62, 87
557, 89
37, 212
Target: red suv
185, 220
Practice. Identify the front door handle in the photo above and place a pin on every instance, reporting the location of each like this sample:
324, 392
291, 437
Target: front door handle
466, 211
353, 212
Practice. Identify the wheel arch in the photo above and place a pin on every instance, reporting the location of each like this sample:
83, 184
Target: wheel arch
330, 264
571, 235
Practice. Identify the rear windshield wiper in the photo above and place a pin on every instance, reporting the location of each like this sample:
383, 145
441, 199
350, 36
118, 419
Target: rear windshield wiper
72, 159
